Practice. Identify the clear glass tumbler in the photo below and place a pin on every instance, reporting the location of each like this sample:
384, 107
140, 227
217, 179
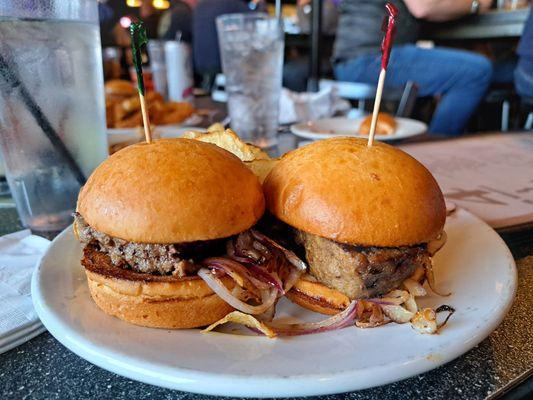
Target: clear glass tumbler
251, 47
52, 113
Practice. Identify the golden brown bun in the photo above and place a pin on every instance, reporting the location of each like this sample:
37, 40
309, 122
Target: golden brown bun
385, 125
343, 190
150, 300
171, 191
317, 297
119, 87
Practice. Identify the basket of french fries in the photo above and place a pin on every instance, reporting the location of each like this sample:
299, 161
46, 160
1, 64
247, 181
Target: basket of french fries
123, 109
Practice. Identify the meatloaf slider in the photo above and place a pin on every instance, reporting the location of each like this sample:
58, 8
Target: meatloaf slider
363, 215
147, 217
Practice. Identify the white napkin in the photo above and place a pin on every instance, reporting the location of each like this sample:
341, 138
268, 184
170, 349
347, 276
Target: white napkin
19, 254
296, 107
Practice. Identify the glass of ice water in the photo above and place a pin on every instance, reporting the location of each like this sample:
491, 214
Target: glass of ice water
52, 113
251, 47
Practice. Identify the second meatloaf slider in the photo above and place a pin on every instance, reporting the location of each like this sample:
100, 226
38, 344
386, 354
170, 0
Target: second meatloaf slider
362, 215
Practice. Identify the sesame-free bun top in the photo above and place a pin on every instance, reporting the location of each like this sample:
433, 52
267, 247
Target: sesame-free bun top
343, 190
171, 191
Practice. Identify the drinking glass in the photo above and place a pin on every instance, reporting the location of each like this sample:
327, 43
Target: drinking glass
251, 47
52, 113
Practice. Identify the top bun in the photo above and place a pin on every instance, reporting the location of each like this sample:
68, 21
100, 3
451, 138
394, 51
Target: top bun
385, 125
120, 87
171, 191
343, 190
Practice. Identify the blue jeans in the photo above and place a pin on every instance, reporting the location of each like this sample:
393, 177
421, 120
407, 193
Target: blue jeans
461, 78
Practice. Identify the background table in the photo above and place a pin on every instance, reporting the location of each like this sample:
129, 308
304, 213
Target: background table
495, 24
43, 369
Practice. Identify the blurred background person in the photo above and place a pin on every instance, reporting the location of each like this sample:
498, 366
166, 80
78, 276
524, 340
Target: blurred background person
461, 78
206, 54
523, 74
329, 15
296, 66
177, 21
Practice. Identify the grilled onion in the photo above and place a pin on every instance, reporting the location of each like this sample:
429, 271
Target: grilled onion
268, 297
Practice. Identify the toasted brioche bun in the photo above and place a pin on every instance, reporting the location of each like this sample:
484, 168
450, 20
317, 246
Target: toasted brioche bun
385, 125
343, 190
152, 300
120, 88
171, 191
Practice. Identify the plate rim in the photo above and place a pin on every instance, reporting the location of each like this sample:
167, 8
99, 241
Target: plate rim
228, 384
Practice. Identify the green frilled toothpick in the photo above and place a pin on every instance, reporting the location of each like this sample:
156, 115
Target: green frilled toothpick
139, 39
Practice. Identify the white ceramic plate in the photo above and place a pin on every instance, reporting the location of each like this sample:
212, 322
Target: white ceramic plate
331, 127
475, 265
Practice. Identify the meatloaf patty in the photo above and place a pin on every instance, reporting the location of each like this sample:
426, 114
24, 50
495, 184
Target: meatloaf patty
360, 272
177, 259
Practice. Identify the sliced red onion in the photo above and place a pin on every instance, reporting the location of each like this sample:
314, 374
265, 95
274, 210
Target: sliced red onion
219, 271
291, 257
228, 265
266, 277
230, 249
338, 321
268, 296
293, 277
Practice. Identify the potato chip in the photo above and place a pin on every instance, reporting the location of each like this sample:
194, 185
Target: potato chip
243, 319
229, 141
216, 127
261, 168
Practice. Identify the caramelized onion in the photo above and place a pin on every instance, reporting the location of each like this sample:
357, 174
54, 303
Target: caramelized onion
271, 279
444, 308
291, 257
268, 297
431, 280
414, 287
437, 244
292, 278
231, 267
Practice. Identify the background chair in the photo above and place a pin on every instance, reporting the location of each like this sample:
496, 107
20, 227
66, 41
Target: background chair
362, 92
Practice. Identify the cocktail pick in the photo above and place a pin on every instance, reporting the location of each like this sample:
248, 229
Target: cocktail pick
388, 27
138, 39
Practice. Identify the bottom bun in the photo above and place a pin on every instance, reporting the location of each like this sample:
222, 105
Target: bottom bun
317, 297
151, 300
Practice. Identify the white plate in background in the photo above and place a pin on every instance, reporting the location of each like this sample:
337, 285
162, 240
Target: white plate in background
341, 126
475, 265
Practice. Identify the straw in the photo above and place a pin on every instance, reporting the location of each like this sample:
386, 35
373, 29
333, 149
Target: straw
278, 9
11, 78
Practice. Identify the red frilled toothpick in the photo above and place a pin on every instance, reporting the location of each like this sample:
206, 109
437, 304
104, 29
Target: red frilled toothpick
388, 27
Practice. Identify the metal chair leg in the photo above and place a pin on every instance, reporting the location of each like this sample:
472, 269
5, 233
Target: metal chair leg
529, 122
506, 107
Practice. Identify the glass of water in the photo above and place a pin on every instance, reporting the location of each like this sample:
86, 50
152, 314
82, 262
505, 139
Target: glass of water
52, 113
251, 47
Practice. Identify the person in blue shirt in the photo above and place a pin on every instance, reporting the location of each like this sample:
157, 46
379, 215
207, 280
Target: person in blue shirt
459, 78
523, 74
